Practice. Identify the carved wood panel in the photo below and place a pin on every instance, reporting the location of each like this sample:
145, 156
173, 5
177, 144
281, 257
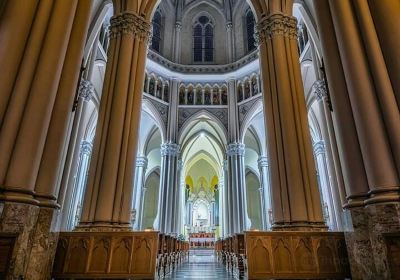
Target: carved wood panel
106, 255
296, 255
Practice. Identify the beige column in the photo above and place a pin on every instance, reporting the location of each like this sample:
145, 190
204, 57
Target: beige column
372, 123
386, 17
17, 17
46, 82
108, 196
35, 123
379, 71
346, 135
52, 163
295, 195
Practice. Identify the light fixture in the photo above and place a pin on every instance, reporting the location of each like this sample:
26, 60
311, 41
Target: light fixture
202, 134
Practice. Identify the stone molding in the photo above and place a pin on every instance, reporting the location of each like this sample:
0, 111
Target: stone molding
86, 147
86, 90
202, 69
276, 25
263, 162
130, 24
319, 87
141, 162
170, 149
235, 149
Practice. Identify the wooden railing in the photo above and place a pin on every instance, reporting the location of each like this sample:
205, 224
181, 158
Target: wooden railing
104, 255
171, 253
285, 255
7, 242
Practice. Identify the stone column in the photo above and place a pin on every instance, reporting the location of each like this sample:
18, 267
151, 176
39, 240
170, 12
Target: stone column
386, 18
86, 92
169, 189
108, 197
230, 42
78, 189
138, 197
379, 139
177, 42
336, 183
222, 201
295, 196
237, 187
227, 202
348, 32
41, 51
326, 196
265, 189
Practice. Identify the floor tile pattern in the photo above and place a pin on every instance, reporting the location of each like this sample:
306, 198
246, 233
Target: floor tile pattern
201, 265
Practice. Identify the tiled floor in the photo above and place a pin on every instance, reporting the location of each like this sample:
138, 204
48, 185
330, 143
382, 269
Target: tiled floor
201, 265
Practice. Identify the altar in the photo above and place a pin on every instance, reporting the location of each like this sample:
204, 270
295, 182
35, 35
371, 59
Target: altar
202, 240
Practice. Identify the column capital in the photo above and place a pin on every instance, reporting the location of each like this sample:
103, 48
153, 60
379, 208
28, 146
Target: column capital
130, 23
141, 161
235, 149
170, 149
229, 26
178, 25
276, 25
319, 87
86, 147
319, 147
263, 162
86, 90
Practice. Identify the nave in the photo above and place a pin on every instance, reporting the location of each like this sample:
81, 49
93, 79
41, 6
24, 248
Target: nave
202, 264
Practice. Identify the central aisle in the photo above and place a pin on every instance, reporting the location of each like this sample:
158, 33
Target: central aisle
202, 264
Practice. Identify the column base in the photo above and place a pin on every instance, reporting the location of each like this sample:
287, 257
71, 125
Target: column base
299, 226
36, 243
365, 229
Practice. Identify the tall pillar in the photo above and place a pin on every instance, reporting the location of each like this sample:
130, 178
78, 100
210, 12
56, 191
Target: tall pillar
237, 187
78, 189
295, 195
227, 202
86, 92
169, 188
335, 176
327, 196
108, 197
168, 207
379, 139
41, 51
229, 41
265, 190
350, 31
177, 42
138, 197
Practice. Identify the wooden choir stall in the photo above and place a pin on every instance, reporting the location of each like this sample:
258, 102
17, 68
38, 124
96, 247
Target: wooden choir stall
285, 255
106, 255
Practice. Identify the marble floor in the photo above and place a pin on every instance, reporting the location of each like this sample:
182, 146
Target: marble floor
201, 265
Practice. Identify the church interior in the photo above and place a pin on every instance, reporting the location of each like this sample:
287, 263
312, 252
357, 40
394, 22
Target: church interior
200, 139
